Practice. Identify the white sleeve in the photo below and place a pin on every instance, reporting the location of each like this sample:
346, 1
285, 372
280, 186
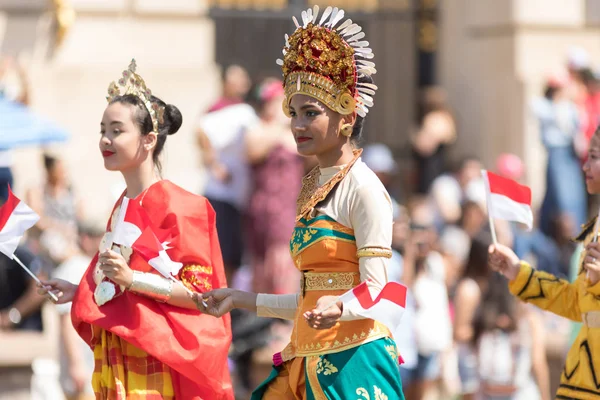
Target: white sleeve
277, 305
371, 215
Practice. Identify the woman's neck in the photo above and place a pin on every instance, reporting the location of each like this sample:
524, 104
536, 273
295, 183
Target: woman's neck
139, 179
336, 157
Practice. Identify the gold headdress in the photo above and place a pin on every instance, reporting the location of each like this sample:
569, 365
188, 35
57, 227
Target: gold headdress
132, 83
324, 61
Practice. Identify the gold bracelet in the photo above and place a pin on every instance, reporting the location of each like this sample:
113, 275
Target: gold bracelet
151, 285
374, 252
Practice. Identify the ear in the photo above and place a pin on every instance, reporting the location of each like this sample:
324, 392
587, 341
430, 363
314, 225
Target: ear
349, 119
149, 141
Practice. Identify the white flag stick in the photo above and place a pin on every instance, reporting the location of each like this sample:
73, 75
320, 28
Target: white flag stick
488, 203
33, 276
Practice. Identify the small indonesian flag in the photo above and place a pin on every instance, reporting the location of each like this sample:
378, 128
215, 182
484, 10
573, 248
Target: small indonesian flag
131, 222
155, 253
15, 218
387, 308
508, 200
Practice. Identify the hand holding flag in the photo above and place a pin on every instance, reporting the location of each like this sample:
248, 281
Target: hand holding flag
134, 229
386, 308
16, 218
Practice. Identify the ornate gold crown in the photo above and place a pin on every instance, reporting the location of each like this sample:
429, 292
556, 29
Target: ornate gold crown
325, 62
132, 83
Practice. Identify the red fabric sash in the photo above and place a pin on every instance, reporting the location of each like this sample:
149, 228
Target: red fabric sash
194, 345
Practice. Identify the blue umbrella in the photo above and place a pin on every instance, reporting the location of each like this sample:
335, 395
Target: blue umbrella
19, 126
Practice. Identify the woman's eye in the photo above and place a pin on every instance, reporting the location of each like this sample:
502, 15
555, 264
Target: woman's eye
311, 113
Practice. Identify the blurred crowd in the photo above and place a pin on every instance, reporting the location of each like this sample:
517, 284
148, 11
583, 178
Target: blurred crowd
465, 335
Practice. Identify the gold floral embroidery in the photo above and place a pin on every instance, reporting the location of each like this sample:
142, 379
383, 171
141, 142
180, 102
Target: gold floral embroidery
325, 367
312, 194
330, 280
197, 268
379, 395
197, 277
393, 351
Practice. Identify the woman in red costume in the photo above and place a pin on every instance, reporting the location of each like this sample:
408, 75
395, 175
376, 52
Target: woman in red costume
148, 338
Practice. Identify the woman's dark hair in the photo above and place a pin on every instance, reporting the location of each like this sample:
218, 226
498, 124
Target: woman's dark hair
477, 263
497, 301
49, 162
171, 123
360, 121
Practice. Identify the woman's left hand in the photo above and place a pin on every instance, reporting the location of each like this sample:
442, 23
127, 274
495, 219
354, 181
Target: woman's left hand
320, 318
115, 268
592, 262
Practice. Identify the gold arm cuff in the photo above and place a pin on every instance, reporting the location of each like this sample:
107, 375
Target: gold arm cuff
374, 252
151, 285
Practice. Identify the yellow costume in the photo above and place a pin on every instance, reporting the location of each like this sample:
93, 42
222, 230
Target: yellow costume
579, 301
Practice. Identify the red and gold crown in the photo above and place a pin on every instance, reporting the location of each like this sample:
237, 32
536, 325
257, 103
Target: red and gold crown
324, 60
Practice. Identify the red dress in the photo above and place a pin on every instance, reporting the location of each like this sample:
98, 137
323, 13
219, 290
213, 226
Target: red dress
191, 347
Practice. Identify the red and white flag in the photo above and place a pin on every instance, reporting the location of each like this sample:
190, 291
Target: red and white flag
508, 200
131, 222
387, 308
15, 218
155, 253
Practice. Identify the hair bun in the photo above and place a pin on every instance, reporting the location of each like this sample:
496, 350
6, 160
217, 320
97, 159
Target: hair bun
173, 119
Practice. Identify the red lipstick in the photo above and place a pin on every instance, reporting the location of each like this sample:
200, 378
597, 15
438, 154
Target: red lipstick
107, 153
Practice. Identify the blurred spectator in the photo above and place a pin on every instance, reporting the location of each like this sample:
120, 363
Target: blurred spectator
448, 191
454, 246
469, 292
509, 336
59, 210
277, 172
425, 274
19, 302
14, 86
236, 84
75, 356
380, 160
221, 141
510, 166
437, 131
559, 126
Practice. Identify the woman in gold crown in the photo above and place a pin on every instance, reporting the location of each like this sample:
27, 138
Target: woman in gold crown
343, 229
143, 328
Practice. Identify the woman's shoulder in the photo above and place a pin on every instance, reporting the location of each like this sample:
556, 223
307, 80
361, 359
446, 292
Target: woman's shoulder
171, 198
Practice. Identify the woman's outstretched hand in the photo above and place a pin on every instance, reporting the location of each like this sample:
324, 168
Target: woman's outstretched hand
65, 291
219, 302
502, 259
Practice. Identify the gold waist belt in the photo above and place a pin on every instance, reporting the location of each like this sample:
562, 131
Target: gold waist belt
591, 319
328, 280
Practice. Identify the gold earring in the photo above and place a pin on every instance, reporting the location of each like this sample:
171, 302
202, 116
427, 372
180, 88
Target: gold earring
347, 130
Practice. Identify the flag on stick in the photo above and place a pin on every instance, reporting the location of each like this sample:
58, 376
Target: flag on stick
507, 200
16, 218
